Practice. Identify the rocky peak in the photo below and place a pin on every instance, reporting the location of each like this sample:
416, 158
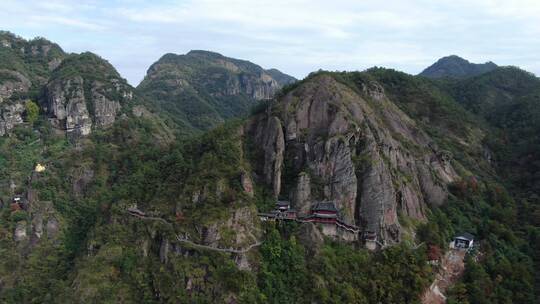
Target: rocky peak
220, 75
202, 88
25, 66
456, 67
85, 92
327, 141
11, 114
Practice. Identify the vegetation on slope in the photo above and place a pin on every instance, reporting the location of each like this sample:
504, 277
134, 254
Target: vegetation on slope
34, 59
201, 89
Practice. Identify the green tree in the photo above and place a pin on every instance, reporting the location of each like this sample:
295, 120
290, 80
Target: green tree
32, 111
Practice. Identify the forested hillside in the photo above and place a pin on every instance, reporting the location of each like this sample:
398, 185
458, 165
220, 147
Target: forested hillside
201, 89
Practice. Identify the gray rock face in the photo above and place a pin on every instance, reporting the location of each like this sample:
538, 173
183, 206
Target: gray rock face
105, 110
164, 250
20, 232
262, 88
355, 149
269, 136
10, 115
66, 105
14, 82
301, 195
75, 111
258, 87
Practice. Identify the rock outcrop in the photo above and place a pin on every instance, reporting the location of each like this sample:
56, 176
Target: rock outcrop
20, 235
354, 147
12, 82
67, 107
269, 136
82, 100
11, 114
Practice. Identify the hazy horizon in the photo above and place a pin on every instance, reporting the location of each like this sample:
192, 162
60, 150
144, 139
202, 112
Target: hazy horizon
296, 37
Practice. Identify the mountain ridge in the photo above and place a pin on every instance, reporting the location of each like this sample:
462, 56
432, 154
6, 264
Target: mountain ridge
454, 66
201, 89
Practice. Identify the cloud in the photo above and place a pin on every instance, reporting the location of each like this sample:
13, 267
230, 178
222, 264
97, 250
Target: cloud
74, 23
296, 36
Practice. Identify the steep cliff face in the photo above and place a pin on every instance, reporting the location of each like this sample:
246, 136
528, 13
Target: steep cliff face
11, 114
328, 141
200, 89
67, 107
25, 66
85, 92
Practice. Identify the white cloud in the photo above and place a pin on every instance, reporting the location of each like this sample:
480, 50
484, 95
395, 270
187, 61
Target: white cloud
297, 36
76, 23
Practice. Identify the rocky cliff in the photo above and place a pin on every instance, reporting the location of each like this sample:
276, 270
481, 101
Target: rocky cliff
25, 65
85, 92
325, 140
201, 88
11, 114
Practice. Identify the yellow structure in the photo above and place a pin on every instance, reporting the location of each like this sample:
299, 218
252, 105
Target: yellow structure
39, 168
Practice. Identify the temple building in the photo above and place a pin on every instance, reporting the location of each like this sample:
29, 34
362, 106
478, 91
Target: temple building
282, 211
464, 241
332, 224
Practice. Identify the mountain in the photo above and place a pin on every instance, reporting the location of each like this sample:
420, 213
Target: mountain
26, 64
456, 67
114, 194
201, 89
86, 92
508, 98
365, 154
281, 78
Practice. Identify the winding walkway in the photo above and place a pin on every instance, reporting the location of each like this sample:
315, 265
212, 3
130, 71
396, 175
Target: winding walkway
186, 241
229, 250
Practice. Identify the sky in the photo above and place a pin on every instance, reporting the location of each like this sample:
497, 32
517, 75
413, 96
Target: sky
294, 36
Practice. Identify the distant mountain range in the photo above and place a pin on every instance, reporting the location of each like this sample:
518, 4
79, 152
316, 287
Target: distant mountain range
456, 67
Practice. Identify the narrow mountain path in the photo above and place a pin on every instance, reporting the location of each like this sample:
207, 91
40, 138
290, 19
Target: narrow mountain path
451, 268
201, 246
229, 250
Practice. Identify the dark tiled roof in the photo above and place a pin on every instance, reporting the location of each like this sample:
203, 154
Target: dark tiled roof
283, 203
324, 206
466, 235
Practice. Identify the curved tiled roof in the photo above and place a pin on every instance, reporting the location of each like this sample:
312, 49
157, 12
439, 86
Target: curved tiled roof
324, 206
